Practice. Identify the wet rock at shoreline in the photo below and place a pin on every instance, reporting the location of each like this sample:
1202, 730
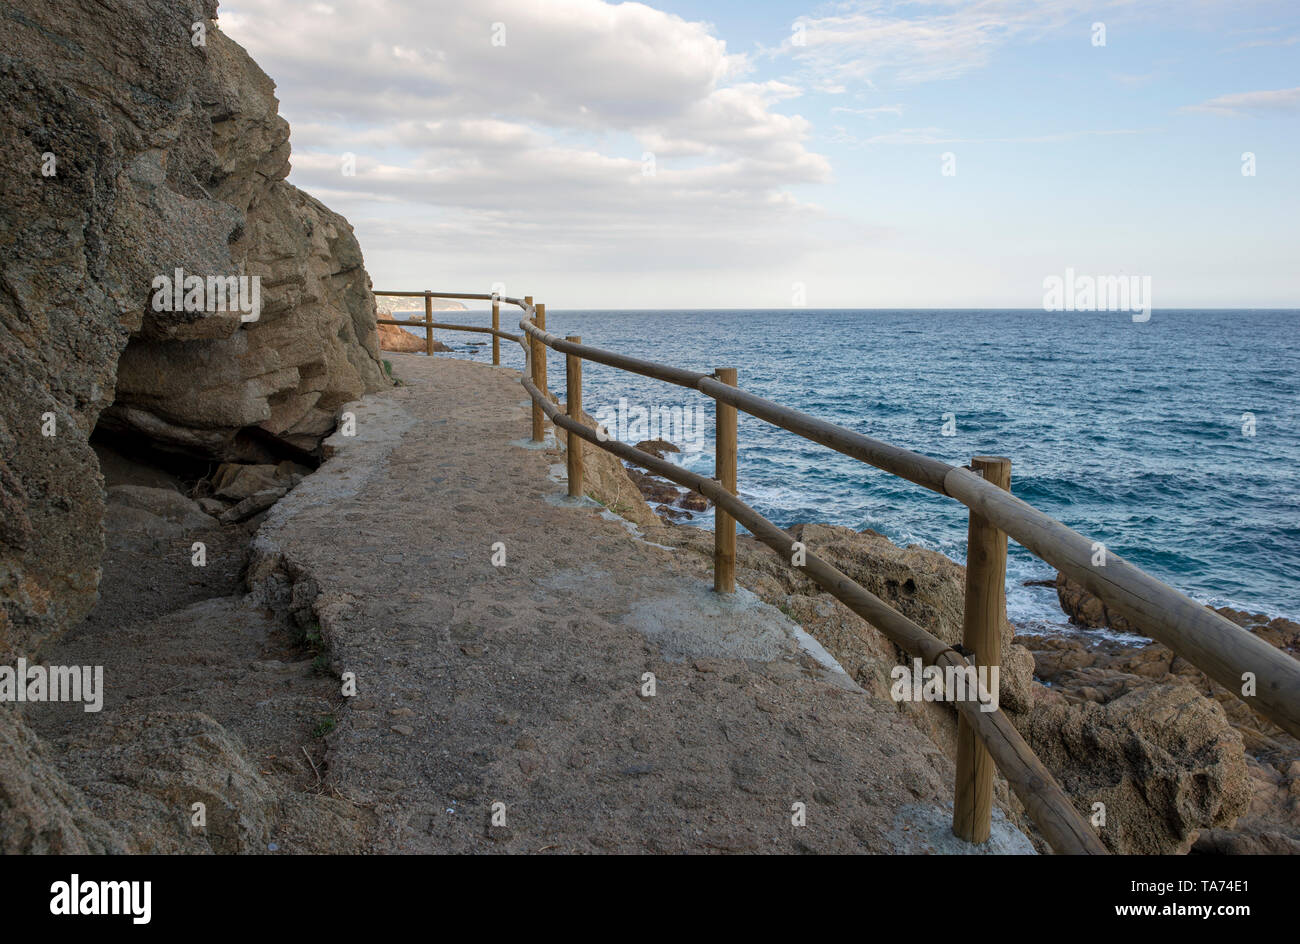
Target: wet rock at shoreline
657, 447
675, 503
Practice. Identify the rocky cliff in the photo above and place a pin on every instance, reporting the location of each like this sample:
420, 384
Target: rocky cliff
136, 141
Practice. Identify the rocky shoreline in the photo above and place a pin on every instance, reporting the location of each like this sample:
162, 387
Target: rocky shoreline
1105, 670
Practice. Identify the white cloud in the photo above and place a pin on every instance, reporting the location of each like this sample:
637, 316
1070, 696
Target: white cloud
1275, 102
864, 43
494, 142
932, 136
896, 110
911, 42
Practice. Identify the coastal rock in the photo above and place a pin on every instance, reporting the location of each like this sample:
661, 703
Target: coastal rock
694, 501
606, 479
400, 341
657, 447
140, 516
923, 585
134, 153
235, 482
653, 488
40, 813
1165, 755
257, 502
1081, 670
148, 771
1085, 609
1162, 759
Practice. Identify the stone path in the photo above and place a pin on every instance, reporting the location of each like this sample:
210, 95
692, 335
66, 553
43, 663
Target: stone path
521, 684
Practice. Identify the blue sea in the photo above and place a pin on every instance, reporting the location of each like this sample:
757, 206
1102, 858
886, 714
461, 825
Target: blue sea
1139, 435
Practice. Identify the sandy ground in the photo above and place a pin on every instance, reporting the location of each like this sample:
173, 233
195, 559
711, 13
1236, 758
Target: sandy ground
519, 688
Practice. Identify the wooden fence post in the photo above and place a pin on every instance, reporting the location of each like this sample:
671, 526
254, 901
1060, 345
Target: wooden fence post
724, 526
573, 399
496, 326
428, 323
539, 372
982, 620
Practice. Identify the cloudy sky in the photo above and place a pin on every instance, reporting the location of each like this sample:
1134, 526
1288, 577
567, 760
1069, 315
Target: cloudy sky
725, 153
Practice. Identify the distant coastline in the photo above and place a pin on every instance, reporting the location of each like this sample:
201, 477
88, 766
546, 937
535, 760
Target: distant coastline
390, 304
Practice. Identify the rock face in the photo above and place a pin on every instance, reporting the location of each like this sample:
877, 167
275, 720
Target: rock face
131, 152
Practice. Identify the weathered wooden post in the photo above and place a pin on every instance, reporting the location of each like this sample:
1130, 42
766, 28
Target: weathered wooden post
981, 634
428, 323
573, 398
496, 326
724, 526
539, 371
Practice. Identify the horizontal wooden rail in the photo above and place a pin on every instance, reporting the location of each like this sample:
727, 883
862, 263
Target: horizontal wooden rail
1049, 807
1216, 645
441, 326
479, 296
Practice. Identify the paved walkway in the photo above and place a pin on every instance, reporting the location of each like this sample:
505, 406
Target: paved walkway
521, 684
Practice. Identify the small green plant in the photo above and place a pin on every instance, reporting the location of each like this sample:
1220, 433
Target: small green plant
321, 664
310, 637
327, 724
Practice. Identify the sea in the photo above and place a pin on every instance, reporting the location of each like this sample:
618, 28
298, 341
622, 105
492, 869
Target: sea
1174, 441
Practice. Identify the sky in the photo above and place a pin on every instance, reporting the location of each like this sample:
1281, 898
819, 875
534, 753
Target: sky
770, 154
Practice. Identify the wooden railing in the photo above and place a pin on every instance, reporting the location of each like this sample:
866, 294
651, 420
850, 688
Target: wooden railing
428, 324
1268, 680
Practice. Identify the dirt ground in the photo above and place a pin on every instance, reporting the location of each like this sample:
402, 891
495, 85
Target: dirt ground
519, 687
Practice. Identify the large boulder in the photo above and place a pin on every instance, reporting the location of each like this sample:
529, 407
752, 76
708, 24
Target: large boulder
1101, 670
39, 811
1162, 761
130, 151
